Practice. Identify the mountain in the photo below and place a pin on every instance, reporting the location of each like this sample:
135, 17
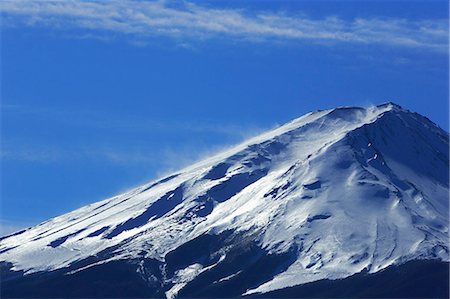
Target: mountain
334, 198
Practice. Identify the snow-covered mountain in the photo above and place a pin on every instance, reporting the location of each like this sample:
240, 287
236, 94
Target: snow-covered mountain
330, 194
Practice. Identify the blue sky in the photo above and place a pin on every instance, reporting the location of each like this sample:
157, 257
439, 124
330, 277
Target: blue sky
99, 97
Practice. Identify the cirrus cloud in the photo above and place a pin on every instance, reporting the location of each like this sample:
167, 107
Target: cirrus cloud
143, 20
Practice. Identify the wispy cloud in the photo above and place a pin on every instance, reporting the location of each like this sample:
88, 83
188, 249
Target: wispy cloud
143, 20
163, 159
112, 122
165, 155
51, 153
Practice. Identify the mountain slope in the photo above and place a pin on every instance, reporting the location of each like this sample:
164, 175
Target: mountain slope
325, 196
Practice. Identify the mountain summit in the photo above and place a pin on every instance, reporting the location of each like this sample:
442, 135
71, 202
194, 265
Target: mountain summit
326, 196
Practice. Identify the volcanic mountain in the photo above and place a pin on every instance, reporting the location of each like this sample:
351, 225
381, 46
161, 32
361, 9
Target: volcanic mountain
330, 204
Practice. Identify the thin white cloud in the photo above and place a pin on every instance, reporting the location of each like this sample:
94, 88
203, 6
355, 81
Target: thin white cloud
143, 20
164, 155
102, 120
164, 159
51, 153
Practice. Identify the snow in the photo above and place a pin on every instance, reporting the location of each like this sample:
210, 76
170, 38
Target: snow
182, 277
351, 188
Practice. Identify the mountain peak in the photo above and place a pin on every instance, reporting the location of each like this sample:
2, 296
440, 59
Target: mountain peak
327, 195
391, 105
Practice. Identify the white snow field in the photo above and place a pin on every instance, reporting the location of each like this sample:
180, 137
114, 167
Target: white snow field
345, 189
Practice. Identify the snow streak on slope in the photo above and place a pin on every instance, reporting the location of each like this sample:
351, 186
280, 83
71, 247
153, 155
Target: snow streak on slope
340, 190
